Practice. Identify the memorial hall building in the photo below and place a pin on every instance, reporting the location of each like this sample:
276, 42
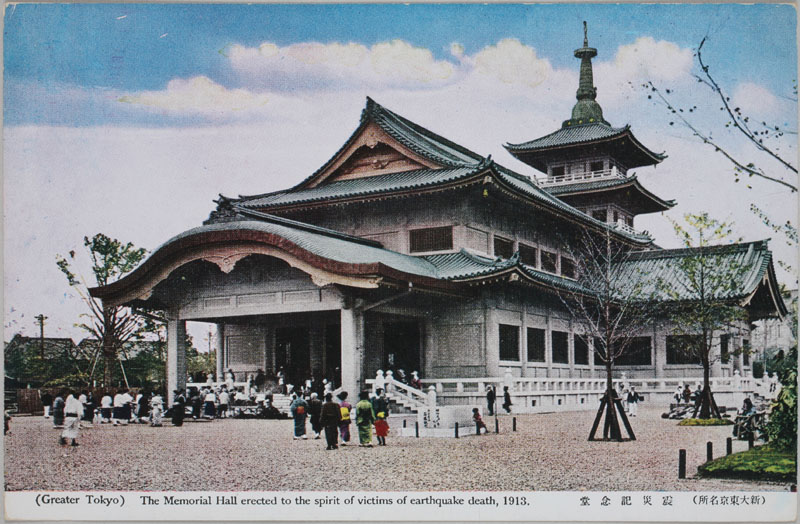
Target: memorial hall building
408, 251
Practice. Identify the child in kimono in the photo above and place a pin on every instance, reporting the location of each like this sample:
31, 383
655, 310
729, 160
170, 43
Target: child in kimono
476, 416
381, 428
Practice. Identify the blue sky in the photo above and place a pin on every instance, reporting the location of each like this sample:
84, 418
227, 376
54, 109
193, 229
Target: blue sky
143, 46
129, 119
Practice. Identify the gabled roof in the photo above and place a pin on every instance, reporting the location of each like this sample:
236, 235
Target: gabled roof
462, 167
757, 276
618, 141
647, 202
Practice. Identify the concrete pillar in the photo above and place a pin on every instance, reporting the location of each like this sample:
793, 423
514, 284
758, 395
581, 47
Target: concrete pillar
523, 350
219, 346
352, 326
660, 349
492, 343
176, 356
428, 350
548, 346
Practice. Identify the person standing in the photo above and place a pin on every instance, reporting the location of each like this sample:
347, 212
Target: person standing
344, 419
364, 420
47, 403
224, 402
633, 401
209, 404
379, 403
143, 411
178, 408
106, 404
73, 411
330, 417
507, 400
156, 409
490, 398
381, 429
315, 411
127, 406
299, 409
58, 411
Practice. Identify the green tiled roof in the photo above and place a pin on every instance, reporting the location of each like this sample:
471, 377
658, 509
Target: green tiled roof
608, 184
570, 135
324, 243
360, 187
664, 265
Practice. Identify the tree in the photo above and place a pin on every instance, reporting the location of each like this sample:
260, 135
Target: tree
112, 326
700, 294
613, 303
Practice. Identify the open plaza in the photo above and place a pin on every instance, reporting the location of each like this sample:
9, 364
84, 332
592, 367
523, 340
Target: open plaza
548, 452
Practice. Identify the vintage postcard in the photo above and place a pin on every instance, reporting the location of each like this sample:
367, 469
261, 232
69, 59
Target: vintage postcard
390, 262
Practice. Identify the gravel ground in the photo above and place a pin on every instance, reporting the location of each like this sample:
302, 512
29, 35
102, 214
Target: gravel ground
548, 452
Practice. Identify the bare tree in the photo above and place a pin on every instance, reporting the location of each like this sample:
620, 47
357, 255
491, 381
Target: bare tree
612, 301
112, 326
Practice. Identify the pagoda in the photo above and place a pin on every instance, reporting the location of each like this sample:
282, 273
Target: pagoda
588, 161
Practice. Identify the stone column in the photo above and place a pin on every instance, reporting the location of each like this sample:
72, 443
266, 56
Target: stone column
660, 349
523, 338
176, 356
219, 347
352, 325
492, 343
428, 349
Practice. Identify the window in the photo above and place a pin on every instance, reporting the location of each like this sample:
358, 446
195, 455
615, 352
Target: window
596, 166
598, 350
509, 342
567, 267
549, 261
535, 345
581, 349
560, 348
679, 349
636, 354
724, 351
616, 217
431, 239
527, 255
600, 214
557, 171
503, 247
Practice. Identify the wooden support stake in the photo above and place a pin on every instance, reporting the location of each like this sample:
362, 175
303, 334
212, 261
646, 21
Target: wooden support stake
681, 463
709, 451
729, 446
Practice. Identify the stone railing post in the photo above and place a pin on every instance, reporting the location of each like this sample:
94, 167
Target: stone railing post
389, 379
380, 381
431, 400
737, 380
508, 379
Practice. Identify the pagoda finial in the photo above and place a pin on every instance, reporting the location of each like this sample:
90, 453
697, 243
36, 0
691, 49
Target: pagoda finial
586, 110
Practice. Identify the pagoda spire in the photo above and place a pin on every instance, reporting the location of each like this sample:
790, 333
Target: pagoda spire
586, 110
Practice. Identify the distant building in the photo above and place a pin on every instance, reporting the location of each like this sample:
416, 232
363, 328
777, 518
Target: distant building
771, 335
407, 250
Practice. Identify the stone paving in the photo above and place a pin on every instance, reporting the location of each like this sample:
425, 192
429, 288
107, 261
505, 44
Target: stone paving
548, 452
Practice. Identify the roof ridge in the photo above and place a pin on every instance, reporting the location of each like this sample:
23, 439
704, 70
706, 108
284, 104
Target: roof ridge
714, 249
508, 145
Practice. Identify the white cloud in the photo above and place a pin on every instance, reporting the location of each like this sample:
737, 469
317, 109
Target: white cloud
647, 58
512, 62
755, 100
198, 95
318, 66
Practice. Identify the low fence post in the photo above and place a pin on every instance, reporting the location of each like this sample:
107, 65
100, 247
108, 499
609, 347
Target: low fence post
416, 429
514, 424
456, 429
709, 451
681, 463
728, 446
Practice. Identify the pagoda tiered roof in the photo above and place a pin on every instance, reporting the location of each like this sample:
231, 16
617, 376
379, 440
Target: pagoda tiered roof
636, 197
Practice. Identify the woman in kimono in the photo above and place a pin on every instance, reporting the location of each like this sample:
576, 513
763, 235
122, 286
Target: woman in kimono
364, 419
178, 408
299, 409
73, 411
329, 418
344, 421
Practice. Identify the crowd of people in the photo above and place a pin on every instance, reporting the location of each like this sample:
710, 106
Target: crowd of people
334, 417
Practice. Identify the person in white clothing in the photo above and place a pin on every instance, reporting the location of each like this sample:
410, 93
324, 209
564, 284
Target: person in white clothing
73, 411
633, 400
156, 410
105, 408
127, 405
224, 402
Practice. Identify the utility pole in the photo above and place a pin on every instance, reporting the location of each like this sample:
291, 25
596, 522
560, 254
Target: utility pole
40, 320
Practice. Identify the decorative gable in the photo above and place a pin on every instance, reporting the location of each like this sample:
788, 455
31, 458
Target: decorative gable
370, 152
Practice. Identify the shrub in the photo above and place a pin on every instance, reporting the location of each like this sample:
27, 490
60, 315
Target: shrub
782, 425
705, 422
760, 463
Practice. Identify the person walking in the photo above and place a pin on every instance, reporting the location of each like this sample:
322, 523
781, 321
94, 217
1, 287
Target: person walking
315, 411
178, 408
58, 411
490, 399
364, 419
380, 404
633, 401
330, 416
506, 400
73, 411
47, 403
381, 429
344, 419
299, 409
476, 417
